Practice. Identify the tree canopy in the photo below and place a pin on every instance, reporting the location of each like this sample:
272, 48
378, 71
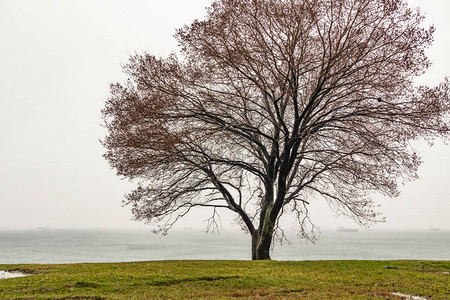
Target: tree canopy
274, 104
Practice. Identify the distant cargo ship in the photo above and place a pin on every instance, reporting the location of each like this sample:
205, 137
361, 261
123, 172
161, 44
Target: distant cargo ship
343, 229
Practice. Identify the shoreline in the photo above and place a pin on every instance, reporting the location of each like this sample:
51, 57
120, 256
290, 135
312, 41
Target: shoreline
181, 260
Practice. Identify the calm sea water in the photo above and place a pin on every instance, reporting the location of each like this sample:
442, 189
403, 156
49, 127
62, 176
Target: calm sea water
73, 246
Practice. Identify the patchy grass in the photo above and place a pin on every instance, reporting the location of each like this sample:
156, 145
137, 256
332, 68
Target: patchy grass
230, 279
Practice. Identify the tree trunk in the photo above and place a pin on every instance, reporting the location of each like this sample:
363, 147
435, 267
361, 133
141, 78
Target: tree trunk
261, 241
254, 243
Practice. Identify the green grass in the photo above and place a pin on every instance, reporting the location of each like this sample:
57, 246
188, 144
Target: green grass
230, 279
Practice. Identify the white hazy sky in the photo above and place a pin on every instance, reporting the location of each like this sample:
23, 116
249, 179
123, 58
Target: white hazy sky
57, 59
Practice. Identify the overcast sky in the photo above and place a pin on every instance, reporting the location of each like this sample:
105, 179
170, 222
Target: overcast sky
57, 59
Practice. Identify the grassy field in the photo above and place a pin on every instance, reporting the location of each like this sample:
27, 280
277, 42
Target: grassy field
230, 279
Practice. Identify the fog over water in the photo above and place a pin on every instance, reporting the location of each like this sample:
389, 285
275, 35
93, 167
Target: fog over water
76, 246
57, 59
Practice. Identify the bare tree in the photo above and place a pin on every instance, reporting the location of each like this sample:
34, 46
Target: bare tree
274, 104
